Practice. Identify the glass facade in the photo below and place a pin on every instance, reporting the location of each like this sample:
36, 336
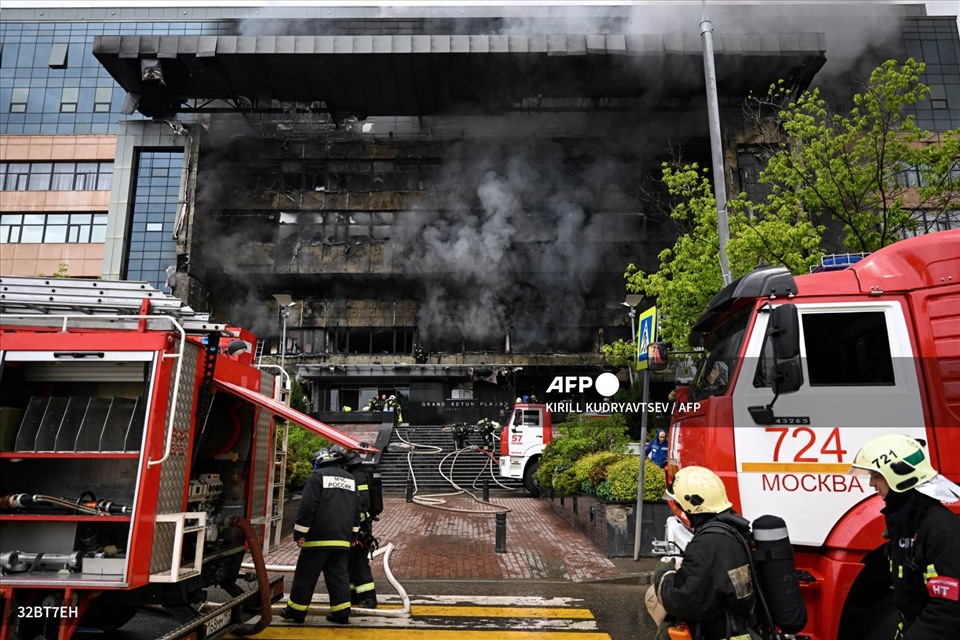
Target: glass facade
51, 83
155, 202
935, 42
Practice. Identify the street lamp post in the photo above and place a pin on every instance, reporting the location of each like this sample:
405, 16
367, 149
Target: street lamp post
631, 303
285, 302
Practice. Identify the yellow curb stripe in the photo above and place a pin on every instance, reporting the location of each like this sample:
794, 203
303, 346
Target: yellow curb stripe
441, 611
357, 633
500, 612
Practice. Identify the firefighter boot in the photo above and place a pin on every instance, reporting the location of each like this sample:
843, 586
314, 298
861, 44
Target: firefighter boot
341, 619
288, 613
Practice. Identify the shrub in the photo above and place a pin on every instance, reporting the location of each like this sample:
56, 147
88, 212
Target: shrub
591, 469
622, 480
578, 437
299, 473
565, 482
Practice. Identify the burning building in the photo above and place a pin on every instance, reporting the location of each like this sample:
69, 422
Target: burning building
446, 196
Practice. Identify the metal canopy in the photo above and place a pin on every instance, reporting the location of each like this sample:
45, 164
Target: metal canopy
424, 74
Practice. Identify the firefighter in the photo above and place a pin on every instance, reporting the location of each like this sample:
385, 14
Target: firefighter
487, 428
363, 590
712, 590
327, 521
923, 550
460, 433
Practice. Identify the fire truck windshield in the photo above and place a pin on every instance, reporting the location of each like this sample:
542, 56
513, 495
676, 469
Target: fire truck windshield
723, 348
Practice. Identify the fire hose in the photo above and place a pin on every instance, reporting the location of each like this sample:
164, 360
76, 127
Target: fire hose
403, 612
263, 582
91, 507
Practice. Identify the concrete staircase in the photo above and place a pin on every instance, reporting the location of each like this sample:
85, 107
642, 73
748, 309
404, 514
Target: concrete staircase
433, 443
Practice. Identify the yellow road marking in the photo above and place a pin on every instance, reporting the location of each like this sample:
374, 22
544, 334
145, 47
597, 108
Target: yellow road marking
439, 610
794, 467
357, 633
499, 612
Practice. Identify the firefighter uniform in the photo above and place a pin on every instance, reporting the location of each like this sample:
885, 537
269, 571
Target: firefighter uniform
923, 552
713, 581
460, 434
363, 590
713, 589
327, 519
925, 567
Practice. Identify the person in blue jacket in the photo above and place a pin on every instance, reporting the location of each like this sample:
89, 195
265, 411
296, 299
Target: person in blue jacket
657, 449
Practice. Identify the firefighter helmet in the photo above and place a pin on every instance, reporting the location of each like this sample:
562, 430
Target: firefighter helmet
352, 460
325, 456
699, 490
904, 464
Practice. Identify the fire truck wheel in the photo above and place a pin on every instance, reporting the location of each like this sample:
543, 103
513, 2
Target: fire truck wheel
530, 481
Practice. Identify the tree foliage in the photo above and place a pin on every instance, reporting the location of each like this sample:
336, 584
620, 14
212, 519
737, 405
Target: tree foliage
843, 176
853, 170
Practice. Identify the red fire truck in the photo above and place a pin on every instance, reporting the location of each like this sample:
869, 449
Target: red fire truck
522, 442
138, 457
798, 373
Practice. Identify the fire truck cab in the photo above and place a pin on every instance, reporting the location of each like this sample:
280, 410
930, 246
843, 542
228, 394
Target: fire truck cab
798, 373
522, 441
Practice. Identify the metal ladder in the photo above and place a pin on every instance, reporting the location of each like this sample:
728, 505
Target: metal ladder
36, 301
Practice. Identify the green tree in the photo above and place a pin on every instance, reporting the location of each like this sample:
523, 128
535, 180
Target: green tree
865, 171
827, 171
301, 444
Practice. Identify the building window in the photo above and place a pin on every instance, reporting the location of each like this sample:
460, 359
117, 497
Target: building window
925, 221
56, 176
102, 99
16, 176
69, 99
58, 56
35, 228
18, 100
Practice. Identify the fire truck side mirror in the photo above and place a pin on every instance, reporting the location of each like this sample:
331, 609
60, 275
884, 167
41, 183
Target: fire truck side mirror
785, 331
657, 356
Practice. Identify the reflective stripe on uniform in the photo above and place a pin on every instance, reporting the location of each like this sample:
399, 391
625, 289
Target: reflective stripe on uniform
370, 586
766, 535
900, 571
931, 572
298, 607
339, 607
299, 528
362, 487
327, 543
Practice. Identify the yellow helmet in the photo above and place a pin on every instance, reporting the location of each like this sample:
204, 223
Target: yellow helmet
699, 490
900, 459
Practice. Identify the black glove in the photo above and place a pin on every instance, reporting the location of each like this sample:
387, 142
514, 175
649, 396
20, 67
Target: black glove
662, 570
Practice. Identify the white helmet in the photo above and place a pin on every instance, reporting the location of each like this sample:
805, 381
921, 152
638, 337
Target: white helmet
904, 464
699, 490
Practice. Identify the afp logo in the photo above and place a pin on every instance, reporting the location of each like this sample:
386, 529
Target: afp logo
606, 384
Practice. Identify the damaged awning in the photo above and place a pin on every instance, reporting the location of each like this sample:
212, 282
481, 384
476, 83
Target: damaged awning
285, 412
414, 75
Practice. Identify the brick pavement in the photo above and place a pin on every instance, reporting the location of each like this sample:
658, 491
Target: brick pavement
436, 544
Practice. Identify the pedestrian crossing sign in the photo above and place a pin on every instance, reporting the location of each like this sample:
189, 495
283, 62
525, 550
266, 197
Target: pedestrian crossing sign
646, 333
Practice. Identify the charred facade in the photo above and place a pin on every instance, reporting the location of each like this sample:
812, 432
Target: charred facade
470, 187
